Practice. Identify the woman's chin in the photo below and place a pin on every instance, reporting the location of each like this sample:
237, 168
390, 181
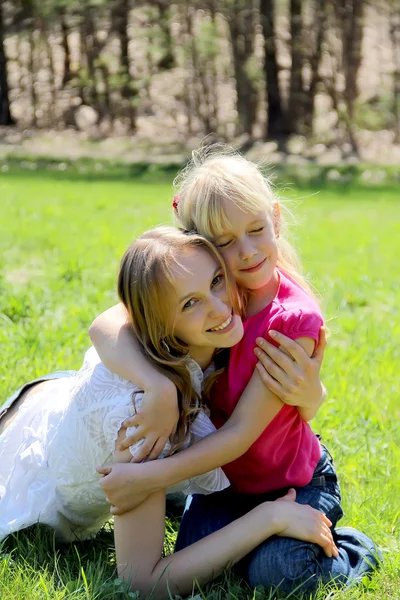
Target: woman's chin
237, 331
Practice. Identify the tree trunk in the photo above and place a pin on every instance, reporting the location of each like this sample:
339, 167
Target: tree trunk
190, 13
67, 50
90, 51
5, 114
276, 120
296, 94
168, 60
350, 13
32, 70
353, 32
52, 108
121, 12
319, 26
242, 32
395, 40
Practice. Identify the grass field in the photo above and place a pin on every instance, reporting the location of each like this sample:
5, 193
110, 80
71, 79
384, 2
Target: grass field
60, 243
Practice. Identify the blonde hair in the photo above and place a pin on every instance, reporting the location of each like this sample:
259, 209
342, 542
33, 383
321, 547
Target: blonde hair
217, 173
145, 285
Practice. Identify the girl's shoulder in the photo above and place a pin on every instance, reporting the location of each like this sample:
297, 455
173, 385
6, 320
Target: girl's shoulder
291, 295
293, 312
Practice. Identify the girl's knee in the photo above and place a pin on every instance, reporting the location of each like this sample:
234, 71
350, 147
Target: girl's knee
285, 564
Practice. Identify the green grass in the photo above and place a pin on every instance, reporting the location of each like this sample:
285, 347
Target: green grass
61, 237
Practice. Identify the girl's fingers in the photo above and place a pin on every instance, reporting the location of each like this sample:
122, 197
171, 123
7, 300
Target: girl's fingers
290, 496
318, 353
326, 520
269, 381
281, 374
116, 511
295, 351
157, 448
278, 356
103, 470
133, 421
326, 544
132, 439
144, 450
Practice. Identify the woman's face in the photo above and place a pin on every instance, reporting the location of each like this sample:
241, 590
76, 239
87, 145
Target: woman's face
202, 315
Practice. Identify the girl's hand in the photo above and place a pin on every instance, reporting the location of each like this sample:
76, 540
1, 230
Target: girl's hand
125, 485
155, 421
289, 373
302, 522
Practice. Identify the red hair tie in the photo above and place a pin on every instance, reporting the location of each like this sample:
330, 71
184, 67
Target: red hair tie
175, 202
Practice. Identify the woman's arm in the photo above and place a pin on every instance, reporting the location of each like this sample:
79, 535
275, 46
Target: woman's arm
290, 373
118, 348
139, 537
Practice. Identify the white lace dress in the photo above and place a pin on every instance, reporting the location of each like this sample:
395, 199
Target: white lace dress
49, 452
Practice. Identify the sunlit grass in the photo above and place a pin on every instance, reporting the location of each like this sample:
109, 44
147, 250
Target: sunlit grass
60, 244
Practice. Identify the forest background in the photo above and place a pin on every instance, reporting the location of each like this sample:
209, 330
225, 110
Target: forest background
295, 80
100, 104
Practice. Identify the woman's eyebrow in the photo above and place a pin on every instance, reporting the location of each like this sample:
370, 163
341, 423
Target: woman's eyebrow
217, 270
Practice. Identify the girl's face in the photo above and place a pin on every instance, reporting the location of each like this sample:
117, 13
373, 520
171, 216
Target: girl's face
249, 247
202, 315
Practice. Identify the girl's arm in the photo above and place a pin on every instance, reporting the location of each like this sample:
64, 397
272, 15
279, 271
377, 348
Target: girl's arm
290, 373
128, 485
139, 537
117, 347
308, 410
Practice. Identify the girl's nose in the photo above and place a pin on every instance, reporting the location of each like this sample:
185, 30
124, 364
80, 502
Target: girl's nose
247, 250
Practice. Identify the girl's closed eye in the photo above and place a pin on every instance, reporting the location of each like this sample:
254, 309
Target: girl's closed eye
259, 230
224, 244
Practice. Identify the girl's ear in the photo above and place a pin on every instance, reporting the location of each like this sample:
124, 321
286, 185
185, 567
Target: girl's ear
276, 215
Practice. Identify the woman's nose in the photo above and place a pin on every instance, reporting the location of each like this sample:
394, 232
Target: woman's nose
219, 308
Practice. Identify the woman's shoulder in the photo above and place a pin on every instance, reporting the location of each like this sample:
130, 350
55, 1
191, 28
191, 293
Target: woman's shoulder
96, 386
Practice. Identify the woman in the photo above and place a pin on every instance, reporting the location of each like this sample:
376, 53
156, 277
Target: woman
58, 430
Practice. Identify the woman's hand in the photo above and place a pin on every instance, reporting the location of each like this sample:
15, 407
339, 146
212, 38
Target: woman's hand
289, 373
302, 522
126, 485
155, 421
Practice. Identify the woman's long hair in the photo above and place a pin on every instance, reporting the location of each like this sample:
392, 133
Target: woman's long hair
145, 287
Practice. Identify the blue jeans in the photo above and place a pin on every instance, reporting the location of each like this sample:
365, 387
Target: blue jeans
279, 562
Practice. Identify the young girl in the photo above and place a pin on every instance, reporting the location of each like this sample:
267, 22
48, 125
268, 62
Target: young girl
272, 448
53, 433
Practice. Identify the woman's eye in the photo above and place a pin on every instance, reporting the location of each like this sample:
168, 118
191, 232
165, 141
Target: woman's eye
257, 230
217, 279
189, 304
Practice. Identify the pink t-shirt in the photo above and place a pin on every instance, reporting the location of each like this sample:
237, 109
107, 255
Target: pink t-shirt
287, 451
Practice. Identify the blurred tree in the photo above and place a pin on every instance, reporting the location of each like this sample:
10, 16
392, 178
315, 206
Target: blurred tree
64, 24
394, 31
167, 60
5, 114
296, 96
317, 31
240, 15
276, 118
120, 14
350, 18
